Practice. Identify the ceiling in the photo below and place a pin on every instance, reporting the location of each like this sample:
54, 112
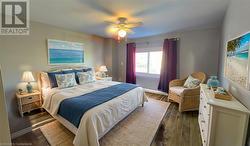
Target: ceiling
158, 16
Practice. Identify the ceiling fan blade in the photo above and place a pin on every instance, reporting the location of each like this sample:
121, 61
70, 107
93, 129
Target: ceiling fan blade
111, 29
110, 22
159, 7
95, 4
133, 25
130, 31
168, 5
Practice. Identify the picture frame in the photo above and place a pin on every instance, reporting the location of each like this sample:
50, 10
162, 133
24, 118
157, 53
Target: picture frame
237, 60
65, 52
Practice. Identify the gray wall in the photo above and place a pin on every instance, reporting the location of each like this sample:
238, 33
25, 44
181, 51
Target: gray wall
4, 126
236, 22
19, 53
121, 60
197, 51
111, 57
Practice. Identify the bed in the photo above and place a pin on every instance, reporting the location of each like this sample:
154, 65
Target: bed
98, 120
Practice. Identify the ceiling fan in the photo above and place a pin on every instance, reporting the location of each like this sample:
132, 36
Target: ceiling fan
121, 27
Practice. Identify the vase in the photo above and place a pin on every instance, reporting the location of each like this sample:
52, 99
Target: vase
29, 88
213, 82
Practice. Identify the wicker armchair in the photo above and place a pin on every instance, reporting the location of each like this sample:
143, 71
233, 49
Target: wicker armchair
188, 99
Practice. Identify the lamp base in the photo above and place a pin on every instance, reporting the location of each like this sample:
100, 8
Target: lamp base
29, 88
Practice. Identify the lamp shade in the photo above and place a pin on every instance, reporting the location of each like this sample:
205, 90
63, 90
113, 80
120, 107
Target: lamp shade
27, 77
103, 69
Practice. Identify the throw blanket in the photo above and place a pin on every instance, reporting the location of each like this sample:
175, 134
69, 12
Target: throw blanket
72, 109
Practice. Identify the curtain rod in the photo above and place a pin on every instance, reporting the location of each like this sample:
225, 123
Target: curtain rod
176, 39
154, 41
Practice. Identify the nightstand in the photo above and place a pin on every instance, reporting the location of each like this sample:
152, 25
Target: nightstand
29, 101
104, 78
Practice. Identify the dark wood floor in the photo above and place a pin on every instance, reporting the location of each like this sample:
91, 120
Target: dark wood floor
37, 116
34, 138
178, 129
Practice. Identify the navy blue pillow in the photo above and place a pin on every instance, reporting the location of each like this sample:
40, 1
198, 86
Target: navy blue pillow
87, 69
52, 78
74, 71
68, 71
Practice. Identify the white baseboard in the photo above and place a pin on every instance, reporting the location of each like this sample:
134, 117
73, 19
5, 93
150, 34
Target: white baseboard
31, 128
156, 92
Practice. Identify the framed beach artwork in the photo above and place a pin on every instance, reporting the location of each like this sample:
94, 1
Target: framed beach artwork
238, 61
64, 52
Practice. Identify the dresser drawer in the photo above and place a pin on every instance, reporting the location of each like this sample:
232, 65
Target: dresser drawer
30, 99
221, 123
203, 138
204, 106
204, 115
202, 94
31, 106
203, 129
204, 110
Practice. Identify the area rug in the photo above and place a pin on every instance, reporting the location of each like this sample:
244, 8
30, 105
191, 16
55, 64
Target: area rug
138, 129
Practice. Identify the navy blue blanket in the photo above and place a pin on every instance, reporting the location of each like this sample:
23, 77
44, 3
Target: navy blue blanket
72, 109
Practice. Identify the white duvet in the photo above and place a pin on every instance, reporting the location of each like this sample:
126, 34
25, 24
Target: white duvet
97, 121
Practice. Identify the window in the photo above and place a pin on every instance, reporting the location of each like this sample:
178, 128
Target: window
142, 62
155, 62
149, 62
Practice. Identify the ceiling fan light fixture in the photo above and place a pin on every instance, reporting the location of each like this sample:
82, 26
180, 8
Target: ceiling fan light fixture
122, 27
122, 33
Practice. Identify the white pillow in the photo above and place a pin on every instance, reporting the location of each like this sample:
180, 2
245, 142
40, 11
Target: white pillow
66, 80
191, 82
86, 77
92, 73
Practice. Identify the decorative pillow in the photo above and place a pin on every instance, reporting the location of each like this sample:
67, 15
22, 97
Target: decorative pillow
191, 82
66, 80
45, 80
86, 77
74, 71
92, 72
52, 78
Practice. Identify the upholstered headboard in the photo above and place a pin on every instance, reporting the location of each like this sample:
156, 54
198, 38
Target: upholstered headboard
41, 80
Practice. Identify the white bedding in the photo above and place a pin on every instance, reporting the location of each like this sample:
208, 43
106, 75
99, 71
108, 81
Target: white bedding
97, 121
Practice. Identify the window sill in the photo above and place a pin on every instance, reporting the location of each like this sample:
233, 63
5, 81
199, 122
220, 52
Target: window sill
148, 75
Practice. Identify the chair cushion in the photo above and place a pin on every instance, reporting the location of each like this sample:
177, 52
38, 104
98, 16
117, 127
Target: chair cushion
177, 90
191, 82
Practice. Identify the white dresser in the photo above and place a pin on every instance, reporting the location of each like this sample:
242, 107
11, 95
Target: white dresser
222, 123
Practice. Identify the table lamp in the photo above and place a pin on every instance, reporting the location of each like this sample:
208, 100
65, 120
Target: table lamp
28, 77
103, 69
